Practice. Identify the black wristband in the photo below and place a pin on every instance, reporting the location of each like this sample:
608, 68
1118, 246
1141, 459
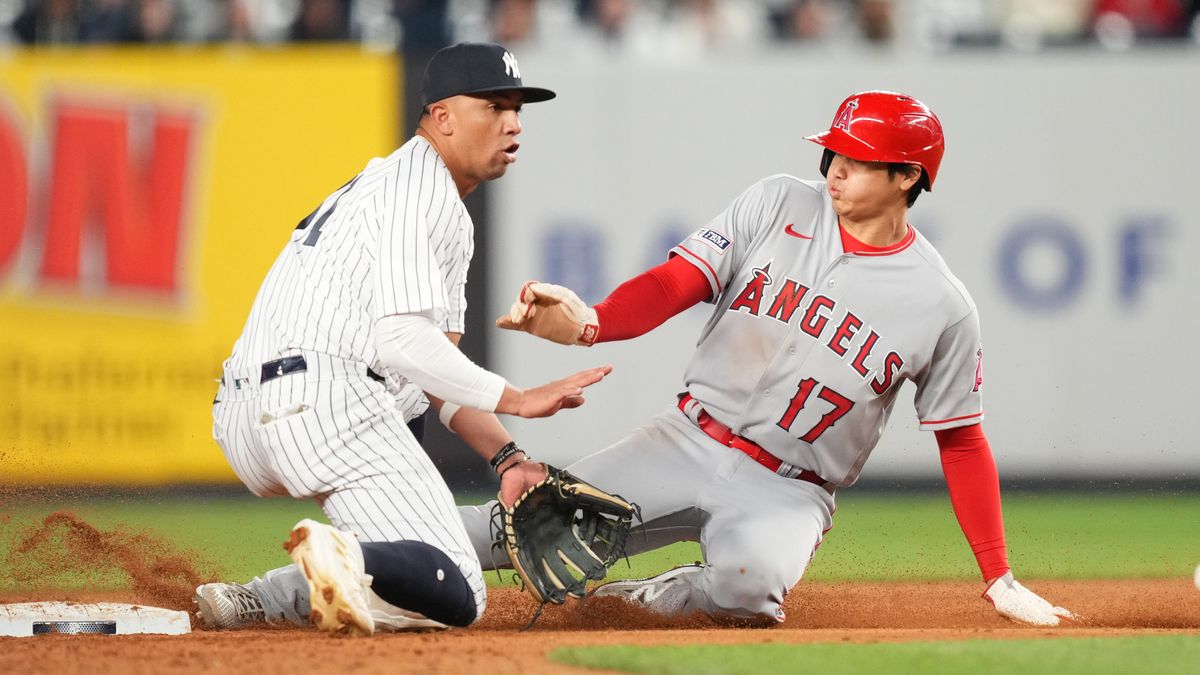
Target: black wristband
512, 466
505, 452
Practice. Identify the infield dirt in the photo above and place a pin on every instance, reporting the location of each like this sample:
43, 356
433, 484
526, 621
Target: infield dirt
161, 576
853, 612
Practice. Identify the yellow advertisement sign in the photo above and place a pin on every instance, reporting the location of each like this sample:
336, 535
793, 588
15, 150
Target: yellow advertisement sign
143, 195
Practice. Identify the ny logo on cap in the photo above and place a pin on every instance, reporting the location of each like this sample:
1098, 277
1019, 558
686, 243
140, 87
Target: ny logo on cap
510, 65
843, 119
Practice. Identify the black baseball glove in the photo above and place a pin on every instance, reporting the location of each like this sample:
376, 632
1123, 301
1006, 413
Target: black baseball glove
563, 532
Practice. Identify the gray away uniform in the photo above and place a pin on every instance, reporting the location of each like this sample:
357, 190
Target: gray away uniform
803, 355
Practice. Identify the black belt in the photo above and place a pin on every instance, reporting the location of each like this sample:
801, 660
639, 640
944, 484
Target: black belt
280, 367
296, 364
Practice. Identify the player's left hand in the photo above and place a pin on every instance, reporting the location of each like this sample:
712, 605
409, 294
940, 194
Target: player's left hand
516, 480
1022, 605
549, 398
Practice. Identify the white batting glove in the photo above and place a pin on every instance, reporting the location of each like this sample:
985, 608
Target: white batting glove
554, 313
1022, 605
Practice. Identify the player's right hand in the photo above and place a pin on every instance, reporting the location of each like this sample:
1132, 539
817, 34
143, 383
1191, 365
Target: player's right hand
553, 313
548, 399
1022, 605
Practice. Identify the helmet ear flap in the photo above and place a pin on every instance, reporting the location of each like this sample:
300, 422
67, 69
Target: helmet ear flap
826, 160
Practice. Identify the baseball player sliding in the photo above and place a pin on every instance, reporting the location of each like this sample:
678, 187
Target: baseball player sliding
352, 336
826, 300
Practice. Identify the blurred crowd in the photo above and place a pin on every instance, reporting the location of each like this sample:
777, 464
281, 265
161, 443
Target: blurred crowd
647, 28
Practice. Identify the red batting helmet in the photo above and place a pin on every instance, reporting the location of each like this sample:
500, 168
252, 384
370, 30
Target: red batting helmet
883, 126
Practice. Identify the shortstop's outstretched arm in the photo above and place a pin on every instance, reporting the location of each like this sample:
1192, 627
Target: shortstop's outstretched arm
974, 487
413, 345
634, 308
485, 434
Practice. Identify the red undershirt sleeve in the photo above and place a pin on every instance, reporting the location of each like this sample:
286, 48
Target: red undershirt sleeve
974, 489
646, 301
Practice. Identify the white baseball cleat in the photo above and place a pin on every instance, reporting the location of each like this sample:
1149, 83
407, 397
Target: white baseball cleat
332, 561
665, 594
228, 606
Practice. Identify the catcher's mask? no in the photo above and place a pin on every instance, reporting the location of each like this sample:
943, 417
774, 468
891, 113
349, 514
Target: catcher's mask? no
883, 126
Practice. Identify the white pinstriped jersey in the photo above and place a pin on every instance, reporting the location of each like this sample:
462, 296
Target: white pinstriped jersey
397, 239
809, 344
394, 240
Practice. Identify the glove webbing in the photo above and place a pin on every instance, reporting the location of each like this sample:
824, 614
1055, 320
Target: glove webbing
601, 530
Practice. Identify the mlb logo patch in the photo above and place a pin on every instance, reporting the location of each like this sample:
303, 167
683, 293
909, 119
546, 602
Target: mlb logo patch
714, 239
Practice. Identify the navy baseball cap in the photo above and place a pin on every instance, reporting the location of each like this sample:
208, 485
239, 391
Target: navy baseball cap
475, 68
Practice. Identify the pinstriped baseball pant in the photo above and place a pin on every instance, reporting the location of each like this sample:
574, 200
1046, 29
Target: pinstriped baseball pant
332, 434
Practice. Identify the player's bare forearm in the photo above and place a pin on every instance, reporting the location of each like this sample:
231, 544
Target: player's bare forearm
479, 429
484, 433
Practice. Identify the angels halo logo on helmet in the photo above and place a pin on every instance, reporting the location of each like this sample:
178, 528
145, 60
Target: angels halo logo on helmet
885, 126
842, 121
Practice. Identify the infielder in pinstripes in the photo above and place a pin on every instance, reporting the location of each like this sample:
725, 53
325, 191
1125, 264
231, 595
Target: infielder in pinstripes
826, 300
352, 336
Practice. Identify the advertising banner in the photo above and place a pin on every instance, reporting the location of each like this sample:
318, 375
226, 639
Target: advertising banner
143, 195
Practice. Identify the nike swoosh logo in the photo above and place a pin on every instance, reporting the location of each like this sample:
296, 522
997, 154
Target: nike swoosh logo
648, 594
794, 233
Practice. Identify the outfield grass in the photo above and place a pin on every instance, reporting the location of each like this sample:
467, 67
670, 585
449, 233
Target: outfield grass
1074, 656
877, 536
1050, 536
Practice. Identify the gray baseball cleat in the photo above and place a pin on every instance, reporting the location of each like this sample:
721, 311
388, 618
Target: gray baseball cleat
665, 594
228, 606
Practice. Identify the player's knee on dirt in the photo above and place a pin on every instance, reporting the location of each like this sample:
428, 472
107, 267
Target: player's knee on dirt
415, 576
744, 581
743, 592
